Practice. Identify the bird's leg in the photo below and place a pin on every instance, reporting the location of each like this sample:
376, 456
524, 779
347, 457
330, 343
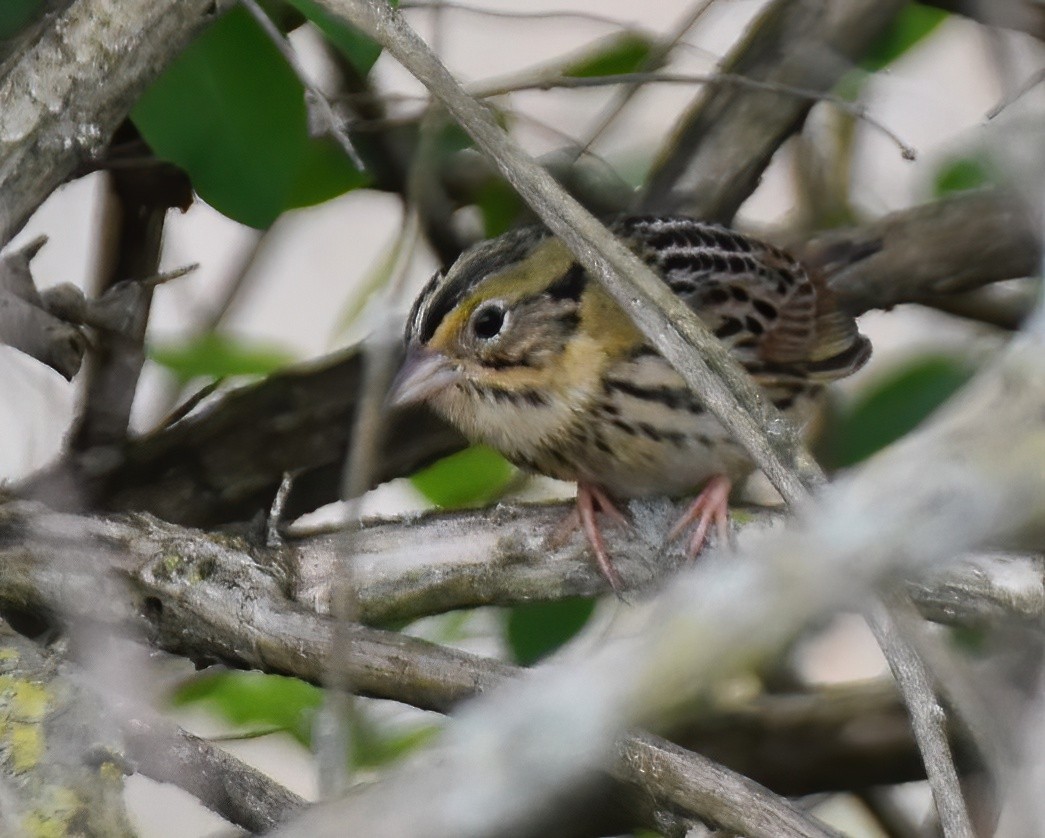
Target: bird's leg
588, 496
606, 504
710, 506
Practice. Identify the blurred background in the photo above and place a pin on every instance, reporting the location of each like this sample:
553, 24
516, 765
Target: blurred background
288, 273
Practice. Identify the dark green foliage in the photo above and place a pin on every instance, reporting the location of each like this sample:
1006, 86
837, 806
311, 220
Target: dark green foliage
231, 112
537, 629
624, 53
891, 408
467, 478
907, 29
15, 14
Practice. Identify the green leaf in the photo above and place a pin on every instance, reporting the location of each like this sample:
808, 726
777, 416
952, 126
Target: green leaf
892, 408
255, 699
217, 356
627, 52
500, 206
962, 174
467, 478
324, 173
354, 45
372, 746
231, 113
536, 629
970, 639
908, 28
17, 14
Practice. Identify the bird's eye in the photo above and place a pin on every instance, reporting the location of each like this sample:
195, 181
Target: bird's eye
487, 321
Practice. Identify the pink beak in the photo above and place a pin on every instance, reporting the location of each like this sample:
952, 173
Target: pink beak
424, 373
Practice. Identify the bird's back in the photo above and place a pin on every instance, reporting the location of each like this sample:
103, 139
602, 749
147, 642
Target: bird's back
644, 432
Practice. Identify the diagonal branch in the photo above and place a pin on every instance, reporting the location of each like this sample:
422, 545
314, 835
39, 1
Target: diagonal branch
928, 721
238, 792
720, 148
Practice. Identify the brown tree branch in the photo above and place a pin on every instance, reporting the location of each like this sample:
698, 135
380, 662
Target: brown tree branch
226, 463
132, 232
26, 321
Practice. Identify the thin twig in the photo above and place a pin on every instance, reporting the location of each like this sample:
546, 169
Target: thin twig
260, 733
190, 404
929, 722
337, 718
1018, 93
857, 110
659, 52
273, 536
551, 14
321, 117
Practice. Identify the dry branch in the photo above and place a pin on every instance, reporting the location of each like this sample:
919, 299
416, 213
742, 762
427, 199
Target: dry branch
238, 792
437, 562
66, 91
931, 251
731, 611
928, 720
26, 321
207, 598
720, 148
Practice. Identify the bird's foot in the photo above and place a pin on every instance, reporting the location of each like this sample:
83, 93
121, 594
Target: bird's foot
588, 497
711, 506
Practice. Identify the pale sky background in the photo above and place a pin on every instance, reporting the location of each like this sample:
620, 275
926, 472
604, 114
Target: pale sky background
935, 98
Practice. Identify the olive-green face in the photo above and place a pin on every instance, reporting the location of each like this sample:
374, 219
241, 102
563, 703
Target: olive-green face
515, 319
514, 315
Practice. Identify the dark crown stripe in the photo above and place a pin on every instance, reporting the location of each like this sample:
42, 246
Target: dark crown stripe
570, 285
470, 269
